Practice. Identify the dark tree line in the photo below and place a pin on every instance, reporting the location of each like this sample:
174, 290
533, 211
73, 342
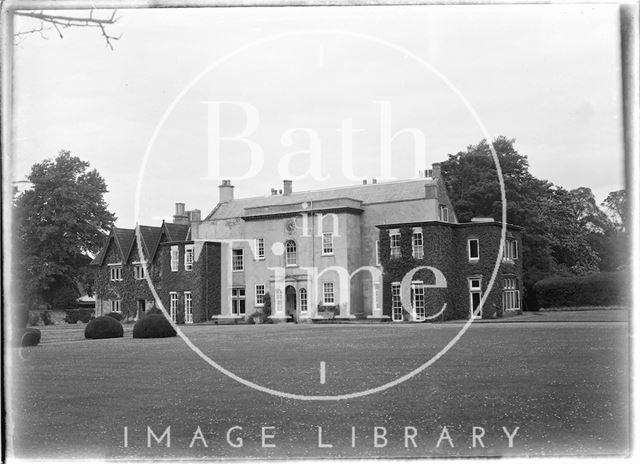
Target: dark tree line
565, 231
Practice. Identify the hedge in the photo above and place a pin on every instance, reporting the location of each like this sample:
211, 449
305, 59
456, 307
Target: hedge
116, 316
75, 315
103, 327
153, 326
599, 289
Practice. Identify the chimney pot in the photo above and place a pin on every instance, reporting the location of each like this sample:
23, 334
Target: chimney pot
180, 217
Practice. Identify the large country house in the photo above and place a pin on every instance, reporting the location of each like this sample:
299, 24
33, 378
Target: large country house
381, 251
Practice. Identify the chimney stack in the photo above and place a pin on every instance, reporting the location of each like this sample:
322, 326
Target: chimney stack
226, 191
435, 168
287, 187
195, 215
181, 216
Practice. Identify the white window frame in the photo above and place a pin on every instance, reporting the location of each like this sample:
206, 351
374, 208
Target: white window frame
116, 306
188, 257
259, 248
473, 258
510, 295
417, 243
279, 300
328, 294
394, 244
443, 213
188, 308
418, 300
510, 250
238, 294
175, 258
290, 253
473, 289
115, 272
237, 260
138, 271
377, 252
173, 305
304, 300
396, 303
260, 291
327, 243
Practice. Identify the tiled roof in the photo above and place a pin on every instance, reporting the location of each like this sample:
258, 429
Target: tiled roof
125, 239
370, 193
125, 242
150, 240
176, 232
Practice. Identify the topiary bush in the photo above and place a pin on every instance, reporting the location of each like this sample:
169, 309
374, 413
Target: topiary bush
598, 289
29, 336
72, 316
46, 318
153, 326
116, 316
103, 327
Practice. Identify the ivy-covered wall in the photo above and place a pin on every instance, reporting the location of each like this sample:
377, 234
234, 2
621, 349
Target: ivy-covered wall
445, 248
203, 281
129, 290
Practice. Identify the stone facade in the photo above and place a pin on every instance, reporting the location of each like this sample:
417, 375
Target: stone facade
318, 254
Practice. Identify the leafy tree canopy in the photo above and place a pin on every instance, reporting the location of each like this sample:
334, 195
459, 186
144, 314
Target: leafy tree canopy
565, 232
61, 222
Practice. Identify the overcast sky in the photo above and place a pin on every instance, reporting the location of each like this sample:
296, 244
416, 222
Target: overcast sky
548, 76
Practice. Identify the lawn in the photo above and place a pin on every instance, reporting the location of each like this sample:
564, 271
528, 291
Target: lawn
564, 384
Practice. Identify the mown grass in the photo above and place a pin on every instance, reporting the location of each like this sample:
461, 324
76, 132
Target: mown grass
564, 384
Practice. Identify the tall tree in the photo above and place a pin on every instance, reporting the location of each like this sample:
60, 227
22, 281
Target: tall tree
60, 222
562, 228
616, 205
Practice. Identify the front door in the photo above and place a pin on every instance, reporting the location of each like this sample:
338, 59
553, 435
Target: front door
290, 302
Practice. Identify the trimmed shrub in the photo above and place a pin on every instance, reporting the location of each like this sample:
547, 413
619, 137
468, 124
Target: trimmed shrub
266, 309
153, 326
103, 327
153, 310
46, 318
72, 316
29, 337
85, 315
598, 289
116, 316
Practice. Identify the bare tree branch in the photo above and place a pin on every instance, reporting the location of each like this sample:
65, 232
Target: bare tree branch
60, 22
